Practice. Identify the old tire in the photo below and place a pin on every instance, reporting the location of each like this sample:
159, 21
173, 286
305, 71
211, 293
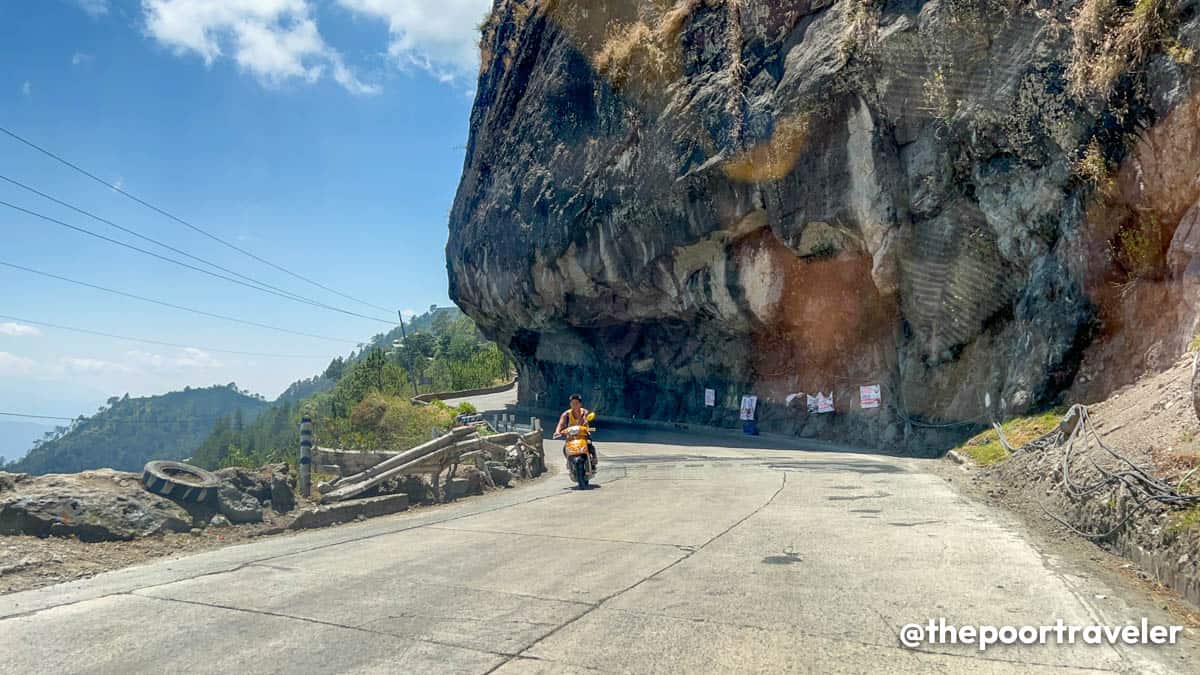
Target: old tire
180, 482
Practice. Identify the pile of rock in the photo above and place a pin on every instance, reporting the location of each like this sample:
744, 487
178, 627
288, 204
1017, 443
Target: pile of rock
108, 505
99, 505
244, 494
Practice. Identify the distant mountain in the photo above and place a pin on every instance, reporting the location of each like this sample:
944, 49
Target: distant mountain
451, 353
128, 432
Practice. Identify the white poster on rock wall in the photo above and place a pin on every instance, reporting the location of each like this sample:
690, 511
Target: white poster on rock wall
749, 404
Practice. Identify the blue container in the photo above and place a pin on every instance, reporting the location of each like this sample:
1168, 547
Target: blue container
750, 427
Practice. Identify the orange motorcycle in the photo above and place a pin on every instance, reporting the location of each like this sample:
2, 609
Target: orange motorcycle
579, 460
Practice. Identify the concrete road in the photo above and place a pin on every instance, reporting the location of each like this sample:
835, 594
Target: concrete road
486, 403
694, 554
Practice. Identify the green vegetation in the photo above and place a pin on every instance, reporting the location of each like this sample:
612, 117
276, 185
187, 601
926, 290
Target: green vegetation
986, 449
127, 432
1184, 521
1139, 248
363, 401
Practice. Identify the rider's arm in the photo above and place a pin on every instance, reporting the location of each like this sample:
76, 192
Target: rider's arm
562, 424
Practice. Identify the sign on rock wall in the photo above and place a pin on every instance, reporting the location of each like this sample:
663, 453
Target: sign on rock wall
749, 403
821, 403
710, 397
825, 402
869, 396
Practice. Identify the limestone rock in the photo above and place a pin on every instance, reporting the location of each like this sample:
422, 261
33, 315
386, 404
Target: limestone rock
282, 497
237, 506
99, 505
819, 210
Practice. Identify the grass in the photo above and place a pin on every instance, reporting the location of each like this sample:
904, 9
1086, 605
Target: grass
1140, 248
1111, 38
1184, 521
1194, 344
986, 449
1093, 167
630, 50
671, 24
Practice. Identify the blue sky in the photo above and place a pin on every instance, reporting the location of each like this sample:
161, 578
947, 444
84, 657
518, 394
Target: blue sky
323, 135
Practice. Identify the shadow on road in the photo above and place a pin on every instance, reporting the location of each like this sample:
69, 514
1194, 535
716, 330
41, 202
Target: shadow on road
831, 466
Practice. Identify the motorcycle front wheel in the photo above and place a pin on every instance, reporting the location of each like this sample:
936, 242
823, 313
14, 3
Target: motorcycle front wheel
579, 463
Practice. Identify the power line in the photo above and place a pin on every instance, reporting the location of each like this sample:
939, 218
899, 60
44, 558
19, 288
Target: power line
173, 261
143, 237
172, 306
181, 221
158, 342
36, 417
182, 420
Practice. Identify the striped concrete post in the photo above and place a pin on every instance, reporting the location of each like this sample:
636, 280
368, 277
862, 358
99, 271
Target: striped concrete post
306, 446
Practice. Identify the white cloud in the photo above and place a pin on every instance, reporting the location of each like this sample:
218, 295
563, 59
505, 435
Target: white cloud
274, 40
87, 366
10, 364
440, 36
189, 357
18, 330
81, 58
27, 88
94, 8
197, 358
346, 77
408, 313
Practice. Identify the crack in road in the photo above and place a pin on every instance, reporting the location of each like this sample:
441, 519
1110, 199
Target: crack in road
639, 582
558, 536
320, 622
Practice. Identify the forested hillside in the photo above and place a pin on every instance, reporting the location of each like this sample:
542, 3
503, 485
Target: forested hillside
361, 401
127, 432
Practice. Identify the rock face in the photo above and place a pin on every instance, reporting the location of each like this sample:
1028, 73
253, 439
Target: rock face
100, 505
809, 196
271, 484
238, 506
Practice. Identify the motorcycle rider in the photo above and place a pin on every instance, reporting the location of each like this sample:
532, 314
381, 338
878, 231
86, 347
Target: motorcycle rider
576, 414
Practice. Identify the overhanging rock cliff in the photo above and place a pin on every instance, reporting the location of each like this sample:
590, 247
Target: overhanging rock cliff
781, 196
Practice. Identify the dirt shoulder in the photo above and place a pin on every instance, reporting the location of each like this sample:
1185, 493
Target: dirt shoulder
1151, 424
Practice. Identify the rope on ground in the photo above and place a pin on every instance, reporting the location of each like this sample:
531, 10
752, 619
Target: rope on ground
1131, 479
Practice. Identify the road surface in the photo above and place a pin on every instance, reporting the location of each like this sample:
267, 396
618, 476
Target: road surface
695, 554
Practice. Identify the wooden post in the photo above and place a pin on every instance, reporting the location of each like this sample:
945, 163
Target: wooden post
306, 446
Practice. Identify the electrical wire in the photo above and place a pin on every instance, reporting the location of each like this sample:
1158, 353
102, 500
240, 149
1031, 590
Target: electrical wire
174, 306
181, 221
84, 230
143, 237
182, 420
158, 342
1142, 488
